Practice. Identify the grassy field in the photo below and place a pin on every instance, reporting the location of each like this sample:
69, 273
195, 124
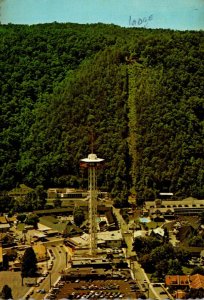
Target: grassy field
53, 223
20, 226
187, 270
153, 225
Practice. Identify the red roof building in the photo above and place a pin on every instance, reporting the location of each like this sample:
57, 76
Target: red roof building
192, 281
197, 281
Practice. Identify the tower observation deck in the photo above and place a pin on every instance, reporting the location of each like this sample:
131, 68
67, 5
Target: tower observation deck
92, 162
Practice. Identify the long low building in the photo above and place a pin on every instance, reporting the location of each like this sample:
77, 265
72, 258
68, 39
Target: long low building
66, 193
67, 196
195, 281
188, 206
70, 197
105, 239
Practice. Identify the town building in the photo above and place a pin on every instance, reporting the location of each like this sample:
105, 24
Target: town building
66, 197
105, 239
40, 252
182, 282
188, 206
4, 225
70, 196
110, 239
20, 192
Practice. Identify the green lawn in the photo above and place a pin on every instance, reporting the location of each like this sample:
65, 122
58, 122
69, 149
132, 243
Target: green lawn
187, 270
20, 226
153, 225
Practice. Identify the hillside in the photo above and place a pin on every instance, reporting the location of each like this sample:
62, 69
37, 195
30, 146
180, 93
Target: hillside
138, 91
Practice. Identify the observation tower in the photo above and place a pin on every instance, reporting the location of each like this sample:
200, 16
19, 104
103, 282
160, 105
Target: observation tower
92, 162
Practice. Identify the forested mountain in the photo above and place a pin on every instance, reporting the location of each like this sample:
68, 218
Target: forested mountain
139, 92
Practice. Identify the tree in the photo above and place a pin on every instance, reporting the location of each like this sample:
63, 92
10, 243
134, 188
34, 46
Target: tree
78, 216
146, 244
21, 217
196, 241
57, 201
161, 268
4, 203
195, 294
121, 200
174, 267
29, 263
166, 235
202, 217
41, 196
6, 292
147, 107
147, 263
7, 239
166, 251
30, 201
182, 255
6, 262
11, 254
198, 270
32, 219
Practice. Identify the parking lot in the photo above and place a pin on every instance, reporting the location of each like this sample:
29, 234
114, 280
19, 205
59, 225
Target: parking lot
95, 289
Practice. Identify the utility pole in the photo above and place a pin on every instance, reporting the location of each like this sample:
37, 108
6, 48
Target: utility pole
50, 280
66, 259
46, 258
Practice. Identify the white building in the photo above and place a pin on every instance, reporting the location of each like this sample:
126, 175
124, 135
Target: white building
112, 239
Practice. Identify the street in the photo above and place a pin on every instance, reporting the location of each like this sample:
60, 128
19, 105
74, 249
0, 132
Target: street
59, 263
138, 272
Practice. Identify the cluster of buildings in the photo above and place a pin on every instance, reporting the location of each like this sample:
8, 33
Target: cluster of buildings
183, 283
6, 222
101, 234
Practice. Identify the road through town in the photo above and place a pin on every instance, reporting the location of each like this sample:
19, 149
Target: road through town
137, 272
58, 252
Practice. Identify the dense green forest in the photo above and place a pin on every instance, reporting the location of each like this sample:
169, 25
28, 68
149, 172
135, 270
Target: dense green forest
138, 92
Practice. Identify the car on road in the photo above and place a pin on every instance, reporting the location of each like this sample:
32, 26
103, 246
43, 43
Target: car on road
50, 296
41, 279
41, 291
162, 293
30, 284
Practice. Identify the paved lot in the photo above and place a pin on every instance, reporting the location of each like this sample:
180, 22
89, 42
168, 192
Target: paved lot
96, 289
13, 280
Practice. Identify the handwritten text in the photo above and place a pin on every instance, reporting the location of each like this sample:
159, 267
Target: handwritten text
140, 22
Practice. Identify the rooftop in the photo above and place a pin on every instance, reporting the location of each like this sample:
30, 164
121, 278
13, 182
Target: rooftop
195, 281
110, 235
3, 220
